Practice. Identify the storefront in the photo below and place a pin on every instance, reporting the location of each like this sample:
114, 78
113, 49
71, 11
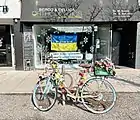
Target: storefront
9, 17
66, 33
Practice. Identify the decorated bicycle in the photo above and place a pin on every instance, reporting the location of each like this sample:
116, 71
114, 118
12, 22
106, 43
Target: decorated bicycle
95, 92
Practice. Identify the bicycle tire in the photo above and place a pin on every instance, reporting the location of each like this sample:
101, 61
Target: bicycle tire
70, 80
85, 102
70, 77
33, 97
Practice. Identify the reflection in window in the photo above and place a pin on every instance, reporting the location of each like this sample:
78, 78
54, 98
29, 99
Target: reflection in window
104, 38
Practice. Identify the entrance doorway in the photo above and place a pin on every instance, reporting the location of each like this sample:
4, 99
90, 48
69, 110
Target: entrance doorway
5, 46
124, 44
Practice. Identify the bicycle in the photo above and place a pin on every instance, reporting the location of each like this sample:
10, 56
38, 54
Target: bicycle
82, 92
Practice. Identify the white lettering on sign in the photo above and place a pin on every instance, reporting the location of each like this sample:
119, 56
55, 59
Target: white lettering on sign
121, 13
51, 9
69, 12
67, 55
74, 28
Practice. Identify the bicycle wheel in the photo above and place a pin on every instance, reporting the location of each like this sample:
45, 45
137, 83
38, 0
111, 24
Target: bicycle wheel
98, 95
68, 80
44, 95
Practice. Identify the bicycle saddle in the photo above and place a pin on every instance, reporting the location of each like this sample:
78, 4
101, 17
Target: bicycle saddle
85, 65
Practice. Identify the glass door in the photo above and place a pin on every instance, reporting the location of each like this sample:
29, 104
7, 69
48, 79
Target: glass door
5, 46
5, 50
104, 37
2, 51
41, 44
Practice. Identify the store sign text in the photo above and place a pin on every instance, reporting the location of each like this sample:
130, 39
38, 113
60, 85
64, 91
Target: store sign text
67, 55
121, 13
51, 9
4, 9
61, 12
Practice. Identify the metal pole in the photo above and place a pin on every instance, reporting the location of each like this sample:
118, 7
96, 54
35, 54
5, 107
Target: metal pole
93, 46
95, 49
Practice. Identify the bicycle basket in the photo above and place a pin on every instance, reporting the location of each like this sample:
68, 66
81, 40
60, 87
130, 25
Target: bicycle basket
102, 68
101, 72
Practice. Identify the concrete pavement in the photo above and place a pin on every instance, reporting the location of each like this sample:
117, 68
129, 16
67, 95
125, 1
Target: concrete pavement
20, 107
11, 81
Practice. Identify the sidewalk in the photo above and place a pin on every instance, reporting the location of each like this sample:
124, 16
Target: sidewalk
127, 80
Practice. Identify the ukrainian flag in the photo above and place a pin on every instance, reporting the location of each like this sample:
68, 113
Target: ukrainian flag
64, 42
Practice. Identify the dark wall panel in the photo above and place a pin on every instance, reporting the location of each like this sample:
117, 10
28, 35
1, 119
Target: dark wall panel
18, 46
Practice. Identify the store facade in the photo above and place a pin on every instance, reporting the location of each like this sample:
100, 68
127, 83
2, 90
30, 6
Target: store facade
9, 19
68, 29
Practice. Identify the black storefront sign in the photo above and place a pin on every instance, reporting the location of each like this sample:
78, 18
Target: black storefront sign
79, 10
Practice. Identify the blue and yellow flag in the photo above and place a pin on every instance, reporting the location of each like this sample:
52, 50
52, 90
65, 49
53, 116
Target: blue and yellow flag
64, 42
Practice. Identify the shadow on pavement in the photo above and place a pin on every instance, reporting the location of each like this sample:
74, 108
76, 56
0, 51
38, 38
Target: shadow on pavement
71, 103
81, 106
127, 81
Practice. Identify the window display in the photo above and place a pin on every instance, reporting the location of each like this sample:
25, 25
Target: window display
72, 41
69, 44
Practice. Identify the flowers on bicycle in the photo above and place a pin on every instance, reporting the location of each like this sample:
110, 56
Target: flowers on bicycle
106, 66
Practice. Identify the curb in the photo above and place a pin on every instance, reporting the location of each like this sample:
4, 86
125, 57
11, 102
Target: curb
15, 93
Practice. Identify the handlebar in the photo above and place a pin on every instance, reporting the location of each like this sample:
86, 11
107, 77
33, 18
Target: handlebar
50, 59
